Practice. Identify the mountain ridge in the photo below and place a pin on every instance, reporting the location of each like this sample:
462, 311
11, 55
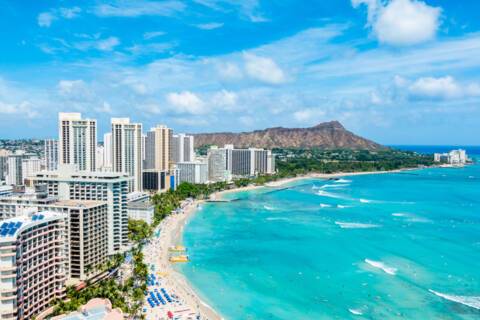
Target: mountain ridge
328, 135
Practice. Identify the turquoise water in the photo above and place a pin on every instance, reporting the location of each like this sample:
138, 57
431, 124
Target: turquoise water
392, 246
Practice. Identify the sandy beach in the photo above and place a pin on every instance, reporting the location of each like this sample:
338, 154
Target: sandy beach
187, 304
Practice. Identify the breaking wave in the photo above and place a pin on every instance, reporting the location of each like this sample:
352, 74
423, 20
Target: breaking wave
356, 312
330, 195
470, 301
356, 225
380, 265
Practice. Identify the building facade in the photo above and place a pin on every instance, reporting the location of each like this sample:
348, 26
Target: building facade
33, 264
158, 148
51, 154
127, 150
87, 235
192, 172
112, 188
182, 148
29, 167
14, 174
77, 141
217, 165
107, 152
141, 210
159, 180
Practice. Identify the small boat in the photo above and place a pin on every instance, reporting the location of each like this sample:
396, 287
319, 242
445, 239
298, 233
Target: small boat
177, 249
182, 258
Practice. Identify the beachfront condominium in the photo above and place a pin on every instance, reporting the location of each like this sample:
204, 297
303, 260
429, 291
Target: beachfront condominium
87, 235
68, 184
158, 148
77, 141
87, 227
192, 172
33, 260
107, 152
30, 166
3, 163
127, 150
217, 165
239, 162
50, 150
249, 162
14, 175
182, 148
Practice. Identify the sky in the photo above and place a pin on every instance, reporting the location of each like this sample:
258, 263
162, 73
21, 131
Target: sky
395, 71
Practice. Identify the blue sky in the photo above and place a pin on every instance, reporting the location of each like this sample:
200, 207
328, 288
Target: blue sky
395, 71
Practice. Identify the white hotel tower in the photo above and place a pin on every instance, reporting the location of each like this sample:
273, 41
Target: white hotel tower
77, 141
127, 150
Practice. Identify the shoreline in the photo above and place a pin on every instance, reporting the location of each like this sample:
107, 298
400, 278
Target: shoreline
171, 234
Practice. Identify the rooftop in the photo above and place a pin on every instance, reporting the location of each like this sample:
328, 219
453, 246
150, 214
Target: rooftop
140, 205
9, 228
79, 203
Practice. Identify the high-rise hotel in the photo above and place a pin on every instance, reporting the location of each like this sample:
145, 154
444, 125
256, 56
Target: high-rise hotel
77, 141
112, 188
127, 150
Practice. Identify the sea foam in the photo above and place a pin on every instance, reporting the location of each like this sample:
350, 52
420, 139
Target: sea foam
277, 219
356, 312
380, 265
342, 181
323, 205
334, 186
471, 301
356, 225
330, 195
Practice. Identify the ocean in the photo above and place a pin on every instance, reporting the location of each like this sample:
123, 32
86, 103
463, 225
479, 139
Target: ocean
387, 246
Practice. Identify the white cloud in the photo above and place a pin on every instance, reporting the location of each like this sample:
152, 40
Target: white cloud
229, 71
402, 22
104, 108
191, 122
209, 26
70, 13
248, 9
150, 48
67, 87
225, 98
309, 115
376, 99
153, 34
106, 44
24, 108
45, 19
137, 8
263, 69
442, 88
186, 102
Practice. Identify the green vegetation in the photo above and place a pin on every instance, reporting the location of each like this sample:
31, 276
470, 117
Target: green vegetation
168, 201
302, 161
127, 296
